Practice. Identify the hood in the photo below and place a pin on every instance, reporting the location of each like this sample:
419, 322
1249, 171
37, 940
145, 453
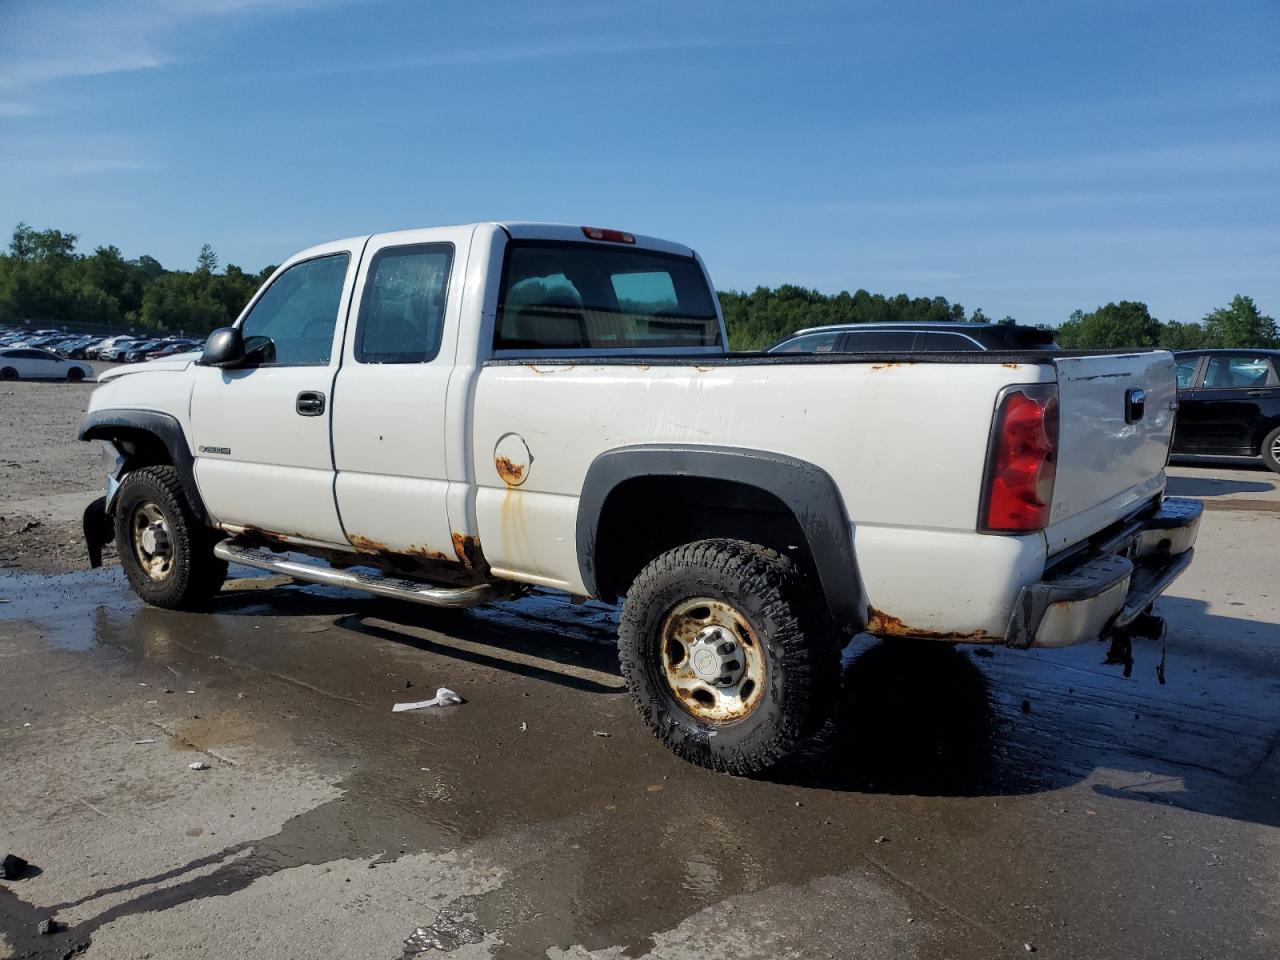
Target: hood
179, 361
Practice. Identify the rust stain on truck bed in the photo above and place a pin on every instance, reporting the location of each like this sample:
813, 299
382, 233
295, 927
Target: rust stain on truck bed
886, 625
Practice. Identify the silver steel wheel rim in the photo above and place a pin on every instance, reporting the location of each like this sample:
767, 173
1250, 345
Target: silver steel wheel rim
152, 540
712, 661
1275, 449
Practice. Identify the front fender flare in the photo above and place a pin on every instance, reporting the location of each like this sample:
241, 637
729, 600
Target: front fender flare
119, 423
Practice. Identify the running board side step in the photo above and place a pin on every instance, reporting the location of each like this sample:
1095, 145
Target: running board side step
393, 587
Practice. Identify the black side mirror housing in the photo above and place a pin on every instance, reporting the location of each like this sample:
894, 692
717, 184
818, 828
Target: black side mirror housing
224, 348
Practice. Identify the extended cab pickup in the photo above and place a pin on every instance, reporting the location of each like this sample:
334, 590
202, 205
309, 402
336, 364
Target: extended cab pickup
454, 415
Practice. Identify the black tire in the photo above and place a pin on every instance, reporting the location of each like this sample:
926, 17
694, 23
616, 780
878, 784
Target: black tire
1271, 450
800, 647
8, 373
192, 574
75, 374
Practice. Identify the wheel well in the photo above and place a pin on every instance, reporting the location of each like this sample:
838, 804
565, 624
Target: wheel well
649, 515
1262, 432
140, 448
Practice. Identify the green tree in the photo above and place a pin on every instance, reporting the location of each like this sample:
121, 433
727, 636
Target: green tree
1240, 324
207, 262
1114, 326
1176, 335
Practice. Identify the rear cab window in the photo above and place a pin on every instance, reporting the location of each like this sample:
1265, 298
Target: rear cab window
563, 297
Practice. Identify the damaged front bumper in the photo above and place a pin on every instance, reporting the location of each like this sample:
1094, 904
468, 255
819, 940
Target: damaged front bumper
98, 520
1103, 591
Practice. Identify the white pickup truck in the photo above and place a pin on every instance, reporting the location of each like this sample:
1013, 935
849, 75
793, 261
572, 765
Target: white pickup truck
453, 415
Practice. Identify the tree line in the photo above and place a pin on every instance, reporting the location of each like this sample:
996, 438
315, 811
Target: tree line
44, 278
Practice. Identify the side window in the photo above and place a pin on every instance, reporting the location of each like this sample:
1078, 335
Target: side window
881, 341
1239, 371
402, 307
1187, 372
293, 321
941, 342
813, 343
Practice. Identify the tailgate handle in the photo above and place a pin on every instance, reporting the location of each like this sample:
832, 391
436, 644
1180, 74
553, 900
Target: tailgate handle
1135, 404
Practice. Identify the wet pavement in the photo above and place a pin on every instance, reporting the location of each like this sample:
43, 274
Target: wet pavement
965, 803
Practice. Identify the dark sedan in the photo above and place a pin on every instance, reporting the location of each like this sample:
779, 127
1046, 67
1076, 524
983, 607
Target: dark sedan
916, 337
1229, 404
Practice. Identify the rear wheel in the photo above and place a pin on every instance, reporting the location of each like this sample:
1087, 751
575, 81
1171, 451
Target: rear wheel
8, 373
166, 553
1271, 450
730, 657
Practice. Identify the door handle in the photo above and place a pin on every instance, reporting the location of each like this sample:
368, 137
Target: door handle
1259, 393
310, 403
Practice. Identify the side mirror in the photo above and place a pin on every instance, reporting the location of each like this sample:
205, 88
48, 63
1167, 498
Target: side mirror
224, 348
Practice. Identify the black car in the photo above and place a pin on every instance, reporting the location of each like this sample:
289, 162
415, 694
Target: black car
1229, 404
909, 337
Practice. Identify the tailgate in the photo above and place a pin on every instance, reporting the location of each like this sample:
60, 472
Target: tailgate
1109, 459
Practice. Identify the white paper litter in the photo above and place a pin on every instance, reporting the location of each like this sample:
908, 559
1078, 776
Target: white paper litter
444, 697
198, 765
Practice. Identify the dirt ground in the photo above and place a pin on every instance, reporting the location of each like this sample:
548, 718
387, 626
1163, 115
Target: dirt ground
47, 477
964, 803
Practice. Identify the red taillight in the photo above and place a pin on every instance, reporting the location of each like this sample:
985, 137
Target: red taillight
1023, 463
613, 236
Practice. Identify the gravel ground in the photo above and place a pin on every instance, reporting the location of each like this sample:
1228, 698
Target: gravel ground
46, 476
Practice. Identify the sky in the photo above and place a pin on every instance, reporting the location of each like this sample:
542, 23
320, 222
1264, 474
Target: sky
1026, 158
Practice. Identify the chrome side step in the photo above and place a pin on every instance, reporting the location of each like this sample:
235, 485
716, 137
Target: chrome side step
394, 587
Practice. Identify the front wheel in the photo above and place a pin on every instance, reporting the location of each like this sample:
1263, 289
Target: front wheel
166, 553
1271, 450
729, 655
75, 374
8, 373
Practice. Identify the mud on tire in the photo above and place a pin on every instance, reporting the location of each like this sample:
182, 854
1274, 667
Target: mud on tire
774, 607
174, 567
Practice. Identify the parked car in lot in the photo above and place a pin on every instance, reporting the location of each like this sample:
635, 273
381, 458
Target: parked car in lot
908, 337
31, 363
80, 350
107, 349
169, 348
590, 433
137, 351
1229, 404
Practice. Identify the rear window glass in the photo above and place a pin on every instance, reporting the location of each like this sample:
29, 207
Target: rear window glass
566, 296
1239, 371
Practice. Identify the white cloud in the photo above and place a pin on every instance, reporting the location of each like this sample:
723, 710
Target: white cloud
46, 42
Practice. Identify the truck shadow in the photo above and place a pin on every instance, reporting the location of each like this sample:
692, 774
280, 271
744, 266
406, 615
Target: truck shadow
923, 719
1214, 487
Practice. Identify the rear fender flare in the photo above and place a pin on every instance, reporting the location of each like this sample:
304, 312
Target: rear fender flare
806, 490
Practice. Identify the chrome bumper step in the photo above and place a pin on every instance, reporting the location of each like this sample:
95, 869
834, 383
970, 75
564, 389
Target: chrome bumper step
394, 587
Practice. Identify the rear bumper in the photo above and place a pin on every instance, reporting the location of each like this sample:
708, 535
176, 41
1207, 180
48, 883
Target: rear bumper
1112, 584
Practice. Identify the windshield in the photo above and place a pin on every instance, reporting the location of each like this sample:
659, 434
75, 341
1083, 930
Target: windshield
560, 296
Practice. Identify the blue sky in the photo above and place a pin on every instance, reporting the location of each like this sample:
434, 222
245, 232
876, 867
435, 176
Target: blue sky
1028, 158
